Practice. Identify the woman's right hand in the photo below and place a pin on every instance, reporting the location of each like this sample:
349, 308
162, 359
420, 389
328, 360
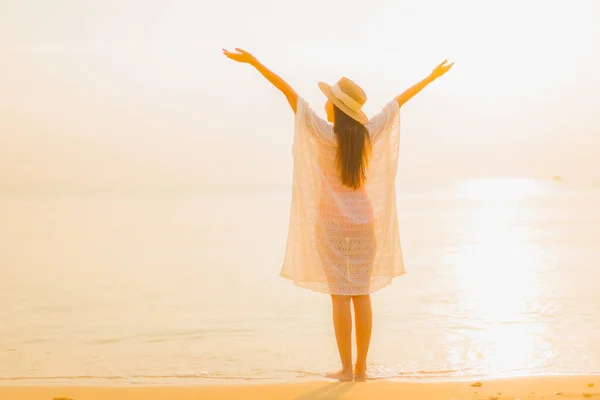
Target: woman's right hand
241, 56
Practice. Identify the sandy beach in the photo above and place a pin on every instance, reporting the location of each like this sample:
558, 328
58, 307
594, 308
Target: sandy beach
532, 387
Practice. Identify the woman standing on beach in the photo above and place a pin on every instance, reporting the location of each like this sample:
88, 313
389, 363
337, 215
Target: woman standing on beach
343, 236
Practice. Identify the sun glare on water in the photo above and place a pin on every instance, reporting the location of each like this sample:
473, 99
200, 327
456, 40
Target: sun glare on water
497, 267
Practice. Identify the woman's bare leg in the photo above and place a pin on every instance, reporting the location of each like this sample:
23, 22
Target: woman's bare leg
342, 324
363, 316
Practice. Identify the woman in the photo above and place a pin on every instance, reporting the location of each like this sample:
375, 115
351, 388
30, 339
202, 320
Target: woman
343, 237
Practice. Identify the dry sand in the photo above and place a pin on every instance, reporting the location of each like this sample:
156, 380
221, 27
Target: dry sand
523, 388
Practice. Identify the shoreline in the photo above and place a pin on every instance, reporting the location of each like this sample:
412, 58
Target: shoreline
516, 387
190, 381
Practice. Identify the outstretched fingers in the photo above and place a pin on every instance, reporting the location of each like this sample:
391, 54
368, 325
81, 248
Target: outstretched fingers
442, 63
232, 55
239, 55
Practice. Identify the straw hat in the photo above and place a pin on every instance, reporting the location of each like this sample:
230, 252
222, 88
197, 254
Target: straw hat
348, 97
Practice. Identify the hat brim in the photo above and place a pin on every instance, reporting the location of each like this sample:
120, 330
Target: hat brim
359, 116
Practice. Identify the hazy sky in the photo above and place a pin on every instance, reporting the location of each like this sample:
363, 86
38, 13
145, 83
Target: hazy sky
131, 91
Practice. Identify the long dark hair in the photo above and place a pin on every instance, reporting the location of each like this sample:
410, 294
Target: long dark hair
353, 150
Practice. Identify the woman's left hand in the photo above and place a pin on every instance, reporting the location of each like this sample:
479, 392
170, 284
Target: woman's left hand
441, 69
241, 56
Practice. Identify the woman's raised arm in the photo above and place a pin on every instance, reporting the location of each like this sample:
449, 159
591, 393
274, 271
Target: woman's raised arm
245, 57
416, 88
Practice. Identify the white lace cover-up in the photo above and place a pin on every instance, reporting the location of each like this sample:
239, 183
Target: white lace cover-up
343, 241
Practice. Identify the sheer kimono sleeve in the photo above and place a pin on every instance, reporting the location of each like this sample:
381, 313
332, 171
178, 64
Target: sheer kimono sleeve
316, 125
382, 122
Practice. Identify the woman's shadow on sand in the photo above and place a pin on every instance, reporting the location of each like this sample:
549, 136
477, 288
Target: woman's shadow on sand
329, 391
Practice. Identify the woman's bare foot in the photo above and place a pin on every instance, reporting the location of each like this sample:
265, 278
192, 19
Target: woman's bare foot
342, 375
360, 373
